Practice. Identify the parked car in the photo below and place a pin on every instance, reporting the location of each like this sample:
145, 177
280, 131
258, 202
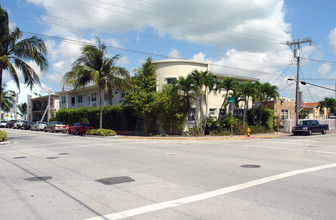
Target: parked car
38, 126
54, 126
3, 124
10, 124
309, 127
26, 126
79, 128
18, 124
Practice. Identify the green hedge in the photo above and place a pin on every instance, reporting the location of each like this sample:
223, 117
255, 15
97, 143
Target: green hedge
115, 117
3, 136
101, 132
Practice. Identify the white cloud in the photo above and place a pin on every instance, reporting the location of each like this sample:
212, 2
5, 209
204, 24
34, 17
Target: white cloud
324, 69
199, 57
332, 40
114, 42
123, 61
173, 53
251, 25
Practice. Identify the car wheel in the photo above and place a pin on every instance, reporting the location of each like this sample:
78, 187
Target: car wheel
77, 132
69, 131
52, 130
324, 131
310, 132
295, 133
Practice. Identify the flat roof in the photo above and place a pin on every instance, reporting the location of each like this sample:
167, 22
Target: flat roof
179, 61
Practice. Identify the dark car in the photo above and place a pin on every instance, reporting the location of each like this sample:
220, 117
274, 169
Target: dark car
79, 128
309, 127
26, 126
54, 126
10, 124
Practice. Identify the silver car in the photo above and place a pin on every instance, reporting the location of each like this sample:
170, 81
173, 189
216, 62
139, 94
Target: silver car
38, 126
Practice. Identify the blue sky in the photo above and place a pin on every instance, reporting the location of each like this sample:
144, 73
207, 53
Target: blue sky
242, 37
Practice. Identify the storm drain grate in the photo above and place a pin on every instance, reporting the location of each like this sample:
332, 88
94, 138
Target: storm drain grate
51, 158
19, 157
115, 180
63, 154
38, 178
250, 166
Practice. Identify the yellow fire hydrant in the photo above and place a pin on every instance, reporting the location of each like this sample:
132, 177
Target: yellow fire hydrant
248, 132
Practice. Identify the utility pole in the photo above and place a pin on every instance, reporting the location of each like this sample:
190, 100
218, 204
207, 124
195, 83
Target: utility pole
296, 46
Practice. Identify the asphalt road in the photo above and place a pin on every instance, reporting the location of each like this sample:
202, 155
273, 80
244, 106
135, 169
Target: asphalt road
61, 176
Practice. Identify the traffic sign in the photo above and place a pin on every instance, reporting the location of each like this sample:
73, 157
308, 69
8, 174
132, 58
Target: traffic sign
232, 99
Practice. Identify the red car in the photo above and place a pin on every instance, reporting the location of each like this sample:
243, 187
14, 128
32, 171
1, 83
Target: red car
79, 128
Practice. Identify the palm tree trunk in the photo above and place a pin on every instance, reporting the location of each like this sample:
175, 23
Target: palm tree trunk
101, 108
201, 113
206, 111
226, 94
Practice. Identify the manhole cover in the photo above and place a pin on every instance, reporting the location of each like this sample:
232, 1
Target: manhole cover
50, 158
250, 166
63, 153
38, 178
19, 157
115, 180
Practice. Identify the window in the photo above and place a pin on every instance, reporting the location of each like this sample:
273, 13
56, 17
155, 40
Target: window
51, 102
212, 112
94, 97
123, 94
80, 99
191, 114
89, 100
171, 80
116, 91
63, 99
284, 114
73, 101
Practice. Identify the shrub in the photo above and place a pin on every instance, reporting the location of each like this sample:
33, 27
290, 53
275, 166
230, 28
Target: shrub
3, 136
101, 132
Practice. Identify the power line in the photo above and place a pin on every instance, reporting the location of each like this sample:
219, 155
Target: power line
139, 52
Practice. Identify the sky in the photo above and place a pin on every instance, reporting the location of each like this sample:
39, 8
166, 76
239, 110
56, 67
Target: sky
240, 37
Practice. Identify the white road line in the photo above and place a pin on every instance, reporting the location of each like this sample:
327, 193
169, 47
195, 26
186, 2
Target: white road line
207, 195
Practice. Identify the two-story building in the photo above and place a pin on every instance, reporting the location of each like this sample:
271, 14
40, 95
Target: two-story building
37, 107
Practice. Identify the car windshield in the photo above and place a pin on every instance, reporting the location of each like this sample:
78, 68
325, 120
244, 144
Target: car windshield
86, 125
58, 123
42, 122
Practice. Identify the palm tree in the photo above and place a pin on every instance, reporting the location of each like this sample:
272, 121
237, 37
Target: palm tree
247, 91
7, 100
210, 81
186, 86
199, 81
23, 109
14, 51
227, 84
268, 92
94, 66
329, 103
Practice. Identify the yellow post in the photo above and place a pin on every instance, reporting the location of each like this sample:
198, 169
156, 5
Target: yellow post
248, 132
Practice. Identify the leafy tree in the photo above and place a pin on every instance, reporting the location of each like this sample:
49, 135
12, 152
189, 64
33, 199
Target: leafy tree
14, 51
94, 66
171, 108
329, 103
143, 98
23, 109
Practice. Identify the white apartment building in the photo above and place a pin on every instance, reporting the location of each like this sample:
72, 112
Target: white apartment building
37, 107
168, 71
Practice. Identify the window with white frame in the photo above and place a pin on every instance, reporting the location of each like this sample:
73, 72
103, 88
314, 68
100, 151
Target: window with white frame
89, 100
284, 114
94, 97
80, 99
63, 99
191, 114
171, 80
212, 112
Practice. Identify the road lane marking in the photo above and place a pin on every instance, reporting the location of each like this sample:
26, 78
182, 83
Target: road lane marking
207, 195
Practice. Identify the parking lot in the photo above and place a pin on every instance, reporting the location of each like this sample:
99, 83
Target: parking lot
62, 176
